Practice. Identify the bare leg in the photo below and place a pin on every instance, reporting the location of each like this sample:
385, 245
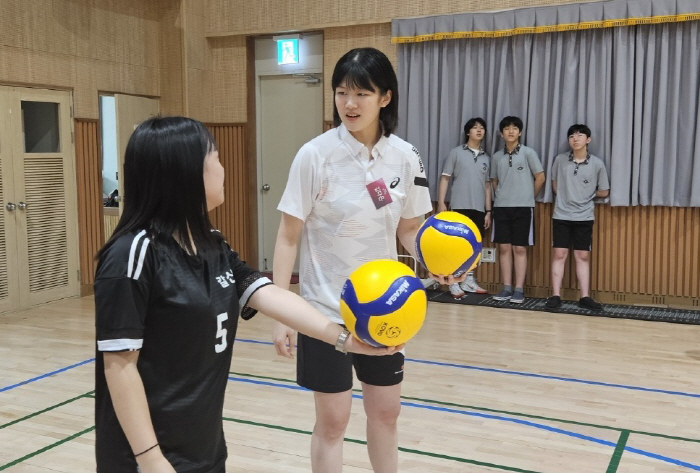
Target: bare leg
332, 416
583, 270
382, 406
559, 256
520, 258
505, 256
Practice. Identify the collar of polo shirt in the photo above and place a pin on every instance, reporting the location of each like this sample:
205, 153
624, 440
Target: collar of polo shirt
585, 161
355, 147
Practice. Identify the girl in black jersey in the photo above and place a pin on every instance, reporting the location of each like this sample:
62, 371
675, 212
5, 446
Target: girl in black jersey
168, 293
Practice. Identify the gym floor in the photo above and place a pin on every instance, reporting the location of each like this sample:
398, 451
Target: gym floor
486, 389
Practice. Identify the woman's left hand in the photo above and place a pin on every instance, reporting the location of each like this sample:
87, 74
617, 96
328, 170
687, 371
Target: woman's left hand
355, 345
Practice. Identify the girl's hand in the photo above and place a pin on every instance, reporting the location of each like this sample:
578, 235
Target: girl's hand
451, 279
284, 339
355, 345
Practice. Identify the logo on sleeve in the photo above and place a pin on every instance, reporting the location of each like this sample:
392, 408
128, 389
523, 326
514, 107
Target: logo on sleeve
395, 182
420, 161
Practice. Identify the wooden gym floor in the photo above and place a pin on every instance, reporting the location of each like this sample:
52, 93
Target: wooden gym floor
486, 390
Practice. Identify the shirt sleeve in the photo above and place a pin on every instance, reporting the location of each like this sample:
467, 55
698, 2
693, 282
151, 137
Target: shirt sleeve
555, 169
449, 168
248, 280
302, 187
493, 171
534, 162
122, 288
603, 183
418, 202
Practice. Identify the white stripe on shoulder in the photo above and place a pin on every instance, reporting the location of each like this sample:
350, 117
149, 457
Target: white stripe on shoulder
142, 256
132, 252
119, 344
257, 284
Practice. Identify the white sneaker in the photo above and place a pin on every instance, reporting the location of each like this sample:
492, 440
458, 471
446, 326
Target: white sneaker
456, 291
470, 285
429, 283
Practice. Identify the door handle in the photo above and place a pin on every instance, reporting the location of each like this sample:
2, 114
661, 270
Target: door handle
266, 187
10, 206
22, 206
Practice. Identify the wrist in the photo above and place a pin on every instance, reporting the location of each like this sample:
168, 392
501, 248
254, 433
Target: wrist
341, 344
153, 454
488, 211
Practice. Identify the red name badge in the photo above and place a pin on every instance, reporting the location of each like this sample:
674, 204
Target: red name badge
379, 193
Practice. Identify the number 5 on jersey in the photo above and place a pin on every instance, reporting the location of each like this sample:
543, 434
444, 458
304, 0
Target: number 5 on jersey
221, 332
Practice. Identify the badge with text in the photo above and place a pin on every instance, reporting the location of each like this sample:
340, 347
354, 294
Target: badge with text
379, 193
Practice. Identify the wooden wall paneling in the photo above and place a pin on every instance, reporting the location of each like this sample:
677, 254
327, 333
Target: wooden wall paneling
635, 240
692, 253
674, 265
231, 218
89, 180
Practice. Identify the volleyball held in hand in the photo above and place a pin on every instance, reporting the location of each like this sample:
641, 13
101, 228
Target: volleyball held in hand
383, 303
448, 243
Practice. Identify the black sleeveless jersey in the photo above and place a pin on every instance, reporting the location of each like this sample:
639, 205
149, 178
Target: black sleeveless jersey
181, 312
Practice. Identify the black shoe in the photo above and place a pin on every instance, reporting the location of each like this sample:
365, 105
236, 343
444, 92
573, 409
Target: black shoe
589, 303
553, 303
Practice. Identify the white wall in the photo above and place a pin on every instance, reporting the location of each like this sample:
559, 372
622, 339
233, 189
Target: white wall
109, 144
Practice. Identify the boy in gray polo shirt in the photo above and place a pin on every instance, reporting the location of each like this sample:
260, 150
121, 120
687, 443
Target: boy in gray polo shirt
468, 166
577, 178
517, 177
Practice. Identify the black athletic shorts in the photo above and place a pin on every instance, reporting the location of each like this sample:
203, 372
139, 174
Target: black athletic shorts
322, 368
513, 225
476, 217
567, 234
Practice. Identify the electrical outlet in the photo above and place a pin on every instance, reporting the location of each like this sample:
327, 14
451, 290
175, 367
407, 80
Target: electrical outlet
488, 255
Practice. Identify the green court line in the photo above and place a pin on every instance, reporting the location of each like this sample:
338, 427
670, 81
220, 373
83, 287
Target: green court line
402, 449
34, 414
48, 447
496, 411
619, 450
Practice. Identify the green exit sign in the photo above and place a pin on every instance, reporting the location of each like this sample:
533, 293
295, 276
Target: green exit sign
288, 51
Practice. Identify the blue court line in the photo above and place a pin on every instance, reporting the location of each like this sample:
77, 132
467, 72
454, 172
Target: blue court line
557, 378
501, 418
12, 386
530, 375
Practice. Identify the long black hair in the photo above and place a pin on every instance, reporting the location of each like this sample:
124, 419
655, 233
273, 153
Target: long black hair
367, 68
164, 184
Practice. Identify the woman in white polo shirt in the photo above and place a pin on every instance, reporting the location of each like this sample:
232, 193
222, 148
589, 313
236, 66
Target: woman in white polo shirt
331, 209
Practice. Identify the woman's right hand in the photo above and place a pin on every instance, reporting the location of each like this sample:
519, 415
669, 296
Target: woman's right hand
284, 339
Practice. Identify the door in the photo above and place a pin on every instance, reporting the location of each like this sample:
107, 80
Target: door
9, 286
40, 202
130, 111
291, 113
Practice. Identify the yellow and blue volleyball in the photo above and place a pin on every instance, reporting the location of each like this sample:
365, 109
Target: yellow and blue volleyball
448, 243
383, 303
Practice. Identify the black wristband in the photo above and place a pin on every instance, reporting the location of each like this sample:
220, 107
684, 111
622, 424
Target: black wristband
487, 211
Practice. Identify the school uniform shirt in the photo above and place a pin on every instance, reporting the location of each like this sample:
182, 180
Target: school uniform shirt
181, 312
577, 184
469, 170
328, 190
515, 171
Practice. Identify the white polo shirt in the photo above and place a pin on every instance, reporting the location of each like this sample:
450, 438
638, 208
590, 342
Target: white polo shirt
342, 226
